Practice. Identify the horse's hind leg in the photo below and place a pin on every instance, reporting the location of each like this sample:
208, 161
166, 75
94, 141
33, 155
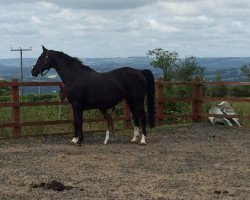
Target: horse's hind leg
143, 124
136, 127
139, 115
111, 125
106, 118
135, 115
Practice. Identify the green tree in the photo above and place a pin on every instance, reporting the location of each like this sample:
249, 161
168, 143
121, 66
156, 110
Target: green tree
246, 71
4, 93
4, 90
219, 90
240, 91
189, 69
165, 60
175, 68
178, 69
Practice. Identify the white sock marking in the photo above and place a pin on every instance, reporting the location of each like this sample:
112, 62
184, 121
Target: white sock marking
136, 134
75, 140
143, 139
107, 137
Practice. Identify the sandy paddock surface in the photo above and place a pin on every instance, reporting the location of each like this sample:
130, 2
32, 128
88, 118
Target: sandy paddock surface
190, 162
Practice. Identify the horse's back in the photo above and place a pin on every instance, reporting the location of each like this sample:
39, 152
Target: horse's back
105, 90
129, 75
132, 80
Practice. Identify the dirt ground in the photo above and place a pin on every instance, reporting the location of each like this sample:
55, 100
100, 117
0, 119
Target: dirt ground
198, 161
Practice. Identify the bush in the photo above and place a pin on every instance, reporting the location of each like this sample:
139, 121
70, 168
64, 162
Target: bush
4, 91
42, 97
240, 91
5, 98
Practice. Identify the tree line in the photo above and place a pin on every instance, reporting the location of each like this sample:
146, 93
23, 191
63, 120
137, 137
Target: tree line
188, 69
174, 69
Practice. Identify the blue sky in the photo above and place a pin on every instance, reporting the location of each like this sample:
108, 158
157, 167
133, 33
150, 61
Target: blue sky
122, 28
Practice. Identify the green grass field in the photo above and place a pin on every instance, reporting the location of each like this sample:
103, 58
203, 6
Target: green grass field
243, 108
46, 113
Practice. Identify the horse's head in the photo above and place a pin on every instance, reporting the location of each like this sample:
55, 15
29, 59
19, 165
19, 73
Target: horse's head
43, 63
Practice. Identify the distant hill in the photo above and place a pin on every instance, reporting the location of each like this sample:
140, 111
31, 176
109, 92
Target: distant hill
224, 62
227, 67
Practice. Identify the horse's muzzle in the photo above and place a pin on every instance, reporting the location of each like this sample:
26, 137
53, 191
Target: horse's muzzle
34, 72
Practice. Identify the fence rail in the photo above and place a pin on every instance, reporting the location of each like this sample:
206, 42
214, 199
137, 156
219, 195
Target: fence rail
196, 100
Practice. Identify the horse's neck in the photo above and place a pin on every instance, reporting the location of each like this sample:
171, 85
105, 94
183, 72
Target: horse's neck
69, 72
65, 73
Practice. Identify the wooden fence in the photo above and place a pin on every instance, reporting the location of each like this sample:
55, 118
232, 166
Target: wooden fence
196, 100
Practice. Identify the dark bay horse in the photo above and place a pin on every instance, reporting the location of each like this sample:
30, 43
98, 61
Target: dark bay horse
89, 89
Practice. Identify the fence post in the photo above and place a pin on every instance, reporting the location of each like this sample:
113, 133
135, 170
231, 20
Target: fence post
159, 102
16, 131
127, 115
197, 101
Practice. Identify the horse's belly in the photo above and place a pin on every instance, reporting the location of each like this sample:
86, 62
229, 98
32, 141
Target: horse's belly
104, 103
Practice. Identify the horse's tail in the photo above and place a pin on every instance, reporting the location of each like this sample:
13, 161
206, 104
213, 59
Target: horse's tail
150, 96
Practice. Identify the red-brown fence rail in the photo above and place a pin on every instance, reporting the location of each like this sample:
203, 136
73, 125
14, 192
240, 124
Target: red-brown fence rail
15, 105
196, 100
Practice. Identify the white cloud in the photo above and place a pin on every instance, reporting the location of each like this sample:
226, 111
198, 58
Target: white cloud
90, 4
154, 25
36, 20
236, 24
106, 28
47, 7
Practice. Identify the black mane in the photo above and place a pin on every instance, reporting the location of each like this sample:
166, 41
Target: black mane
70, 60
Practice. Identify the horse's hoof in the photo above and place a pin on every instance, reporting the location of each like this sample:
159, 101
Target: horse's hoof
142, 144
106, 141
78, 144
134, 142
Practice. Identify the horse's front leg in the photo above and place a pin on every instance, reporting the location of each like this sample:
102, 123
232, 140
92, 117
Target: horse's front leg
78, 120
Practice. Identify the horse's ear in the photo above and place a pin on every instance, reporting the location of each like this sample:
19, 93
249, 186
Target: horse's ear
44, 49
